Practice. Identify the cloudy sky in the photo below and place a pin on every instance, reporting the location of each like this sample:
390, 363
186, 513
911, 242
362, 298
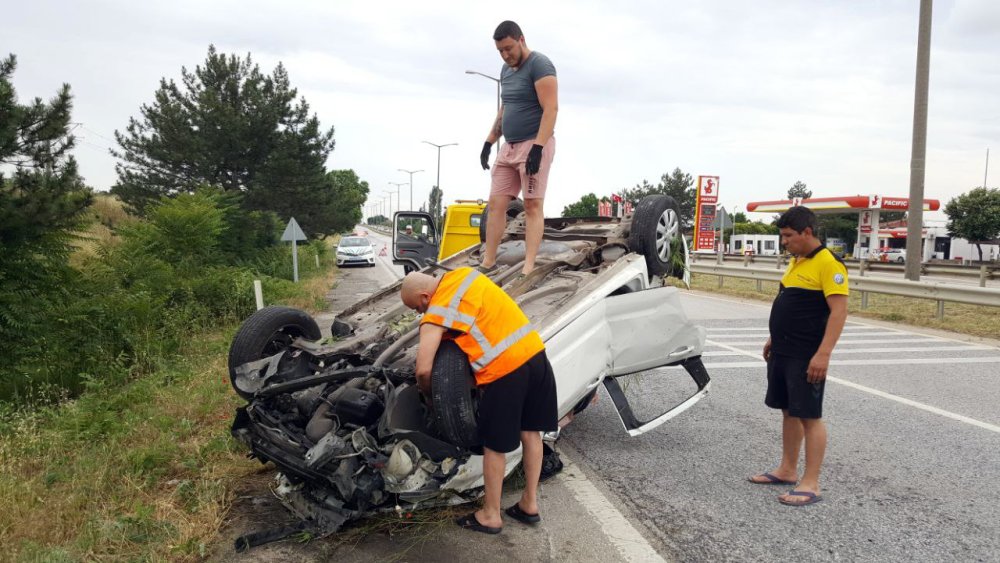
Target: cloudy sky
759, 93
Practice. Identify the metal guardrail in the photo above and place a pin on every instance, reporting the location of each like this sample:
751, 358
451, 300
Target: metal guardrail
941, 292
983, 272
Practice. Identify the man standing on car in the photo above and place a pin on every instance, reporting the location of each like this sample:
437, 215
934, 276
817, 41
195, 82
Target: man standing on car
527, 121
807, 318
517, 390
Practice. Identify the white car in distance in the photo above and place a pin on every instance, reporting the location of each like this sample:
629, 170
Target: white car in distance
355, 250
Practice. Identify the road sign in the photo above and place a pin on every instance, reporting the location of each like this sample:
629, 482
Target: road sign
705, 211
293, 232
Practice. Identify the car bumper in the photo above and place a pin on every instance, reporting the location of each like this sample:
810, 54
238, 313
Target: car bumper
355, 260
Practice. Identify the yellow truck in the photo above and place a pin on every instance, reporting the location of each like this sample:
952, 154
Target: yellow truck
464, 225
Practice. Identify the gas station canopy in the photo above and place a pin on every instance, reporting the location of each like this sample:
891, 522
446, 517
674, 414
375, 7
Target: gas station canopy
846, 204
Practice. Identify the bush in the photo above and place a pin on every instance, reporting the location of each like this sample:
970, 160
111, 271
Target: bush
136, 302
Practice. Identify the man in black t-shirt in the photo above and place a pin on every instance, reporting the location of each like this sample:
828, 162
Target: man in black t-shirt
807, 318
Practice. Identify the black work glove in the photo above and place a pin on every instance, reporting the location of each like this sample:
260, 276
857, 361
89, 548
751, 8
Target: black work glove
534, 161
484, 157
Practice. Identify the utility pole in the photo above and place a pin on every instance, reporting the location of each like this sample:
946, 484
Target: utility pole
439, 147
918, 154
411, 173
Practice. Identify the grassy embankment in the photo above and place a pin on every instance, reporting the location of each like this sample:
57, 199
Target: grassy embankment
137, 470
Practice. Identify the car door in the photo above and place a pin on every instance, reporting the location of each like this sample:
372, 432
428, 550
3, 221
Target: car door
649, 329
414, 242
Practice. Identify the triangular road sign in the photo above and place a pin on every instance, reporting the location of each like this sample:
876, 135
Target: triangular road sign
293, 231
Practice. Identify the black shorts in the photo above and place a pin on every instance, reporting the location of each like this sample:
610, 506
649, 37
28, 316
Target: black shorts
524, 399
787, 388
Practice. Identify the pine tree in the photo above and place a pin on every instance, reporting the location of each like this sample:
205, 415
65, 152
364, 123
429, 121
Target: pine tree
41, 203
231, 126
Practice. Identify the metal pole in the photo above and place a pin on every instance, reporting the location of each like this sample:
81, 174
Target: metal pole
411, 173
918, 155
439, 147
497, 80
987, 171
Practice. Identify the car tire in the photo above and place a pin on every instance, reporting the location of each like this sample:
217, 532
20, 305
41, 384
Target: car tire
656, 222
453, 396
267, 332
514, 208
900, 260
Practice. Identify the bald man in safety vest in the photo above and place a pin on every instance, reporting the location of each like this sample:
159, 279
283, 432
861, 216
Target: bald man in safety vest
517, 390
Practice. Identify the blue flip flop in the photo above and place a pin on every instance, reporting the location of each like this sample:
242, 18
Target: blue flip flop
771, 480
811, 498
521, 516
470, 522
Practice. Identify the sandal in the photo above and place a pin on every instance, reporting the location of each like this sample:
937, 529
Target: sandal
469, 522
521, 516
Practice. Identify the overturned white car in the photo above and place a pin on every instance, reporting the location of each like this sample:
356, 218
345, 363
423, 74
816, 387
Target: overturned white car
342, 419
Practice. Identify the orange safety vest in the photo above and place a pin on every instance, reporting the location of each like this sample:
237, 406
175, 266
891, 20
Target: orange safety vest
493, 331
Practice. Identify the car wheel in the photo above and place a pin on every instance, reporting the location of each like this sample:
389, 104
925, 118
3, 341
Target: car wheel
514, 208
655, 224
453, 394
900, 260
267, 332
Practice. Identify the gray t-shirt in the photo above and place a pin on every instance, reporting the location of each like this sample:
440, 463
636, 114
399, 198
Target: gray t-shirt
522, 114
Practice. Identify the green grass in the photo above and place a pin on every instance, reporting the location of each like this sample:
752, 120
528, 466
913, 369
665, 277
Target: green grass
140, 470
973, 320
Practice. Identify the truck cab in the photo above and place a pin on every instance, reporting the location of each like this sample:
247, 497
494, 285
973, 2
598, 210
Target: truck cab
416, 240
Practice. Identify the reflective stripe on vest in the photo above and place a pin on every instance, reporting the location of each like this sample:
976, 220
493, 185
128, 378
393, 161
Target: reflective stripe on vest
451, 314
491, 353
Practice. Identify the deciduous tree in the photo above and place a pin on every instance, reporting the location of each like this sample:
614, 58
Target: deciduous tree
975, 216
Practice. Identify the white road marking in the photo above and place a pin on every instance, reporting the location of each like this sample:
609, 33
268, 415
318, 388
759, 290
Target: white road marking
847, 328
876, 392
839, 351
626, 539
849, 335
842, 342
872, 362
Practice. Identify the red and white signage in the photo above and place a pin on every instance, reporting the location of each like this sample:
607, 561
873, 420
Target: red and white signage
866, 222
705, 209
604, 209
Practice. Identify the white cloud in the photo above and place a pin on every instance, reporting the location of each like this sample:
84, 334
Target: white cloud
762, 94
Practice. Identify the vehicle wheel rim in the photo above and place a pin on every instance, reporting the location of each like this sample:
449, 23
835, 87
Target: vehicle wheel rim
666, 229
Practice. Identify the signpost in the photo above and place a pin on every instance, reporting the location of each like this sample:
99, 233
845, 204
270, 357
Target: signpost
704, 218
294, 233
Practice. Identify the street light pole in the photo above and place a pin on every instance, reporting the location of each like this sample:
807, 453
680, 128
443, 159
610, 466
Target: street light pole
411, 173
390, 192
497, 80
439, 147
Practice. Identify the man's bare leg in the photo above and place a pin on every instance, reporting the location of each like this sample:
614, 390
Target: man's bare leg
534, 228
494, 464
815, 434
791, 444
495, 225
531, 458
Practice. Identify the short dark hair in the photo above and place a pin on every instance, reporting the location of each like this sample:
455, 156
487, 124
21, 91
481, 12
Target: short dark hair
508, 29
798, 218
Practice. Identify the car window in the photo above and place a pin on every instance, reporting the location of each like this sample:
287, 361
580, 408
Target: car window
354, 241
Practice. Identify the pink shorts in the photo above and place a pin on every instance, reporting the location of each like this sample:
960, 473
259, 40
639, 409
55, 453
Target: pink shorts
509, 177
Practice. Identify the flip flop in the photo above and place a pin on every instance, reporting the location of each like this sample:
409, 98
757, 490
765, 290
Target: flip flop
811, 498
771, 480
469, 522
521, 516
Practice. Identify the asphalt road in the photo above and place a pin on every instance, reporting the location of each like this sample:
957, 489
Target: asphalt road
912, 471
